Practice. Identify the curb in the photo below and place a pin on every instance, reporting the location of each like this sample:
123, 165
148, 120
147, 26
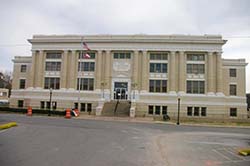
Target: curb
7, 125
203, 125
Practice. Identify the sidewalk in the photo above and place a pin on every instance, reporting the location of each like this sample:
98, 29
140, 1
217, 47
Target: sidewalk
152, 121
120, 119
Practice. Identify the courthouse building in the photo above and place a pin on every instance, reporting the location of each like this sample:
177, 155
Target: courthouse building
149, 71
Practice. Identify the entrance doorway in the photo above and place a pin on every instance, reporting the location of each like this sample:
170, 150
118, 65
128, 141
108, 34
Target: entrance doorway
121, 90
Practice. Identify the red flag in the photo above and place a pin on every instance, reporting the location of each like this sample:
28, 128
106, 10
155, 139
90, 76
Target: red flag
85, 46
86, 56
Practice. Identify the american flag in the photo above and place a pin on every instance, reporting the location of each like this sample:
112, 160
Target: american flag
86, 55
85, 46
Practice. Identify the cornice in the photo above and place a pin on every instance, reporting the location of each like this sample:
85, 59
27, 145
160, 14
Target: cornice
234, 62
22, 59
182, 39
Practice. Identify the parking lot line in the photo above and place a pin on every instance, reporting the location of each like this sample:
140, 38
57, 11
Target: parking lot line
224, 156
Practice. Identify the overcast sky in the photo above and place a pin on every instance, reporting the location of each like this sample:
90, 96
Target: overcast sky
20, 19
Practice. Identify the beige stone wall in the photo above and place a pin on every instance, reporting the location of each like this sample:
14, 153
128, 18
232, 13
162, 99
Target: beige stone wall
239, 80
17, 74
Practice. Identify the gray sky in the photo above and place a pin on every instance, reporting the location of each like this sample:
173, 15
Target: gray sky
20, 19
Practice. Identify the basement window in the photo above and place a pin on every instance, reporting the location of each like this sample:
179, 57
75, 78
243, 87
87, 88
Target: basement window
196, 111
189, 111
233, 112
150, 109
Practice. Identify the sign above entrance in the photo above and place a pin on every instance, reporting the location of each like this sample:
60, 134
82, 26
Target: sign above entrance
121, 66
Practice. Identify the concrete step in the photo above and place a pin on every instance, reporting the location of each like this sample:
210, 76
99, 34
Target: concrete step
123, 108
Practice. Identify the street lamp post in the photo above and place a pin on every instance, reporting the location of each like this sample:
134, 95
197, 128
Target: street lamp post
50, 104
178, 117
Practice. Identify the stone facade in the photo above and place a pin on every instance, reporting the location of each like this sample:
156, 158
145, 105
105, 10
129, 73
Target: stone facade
152, 71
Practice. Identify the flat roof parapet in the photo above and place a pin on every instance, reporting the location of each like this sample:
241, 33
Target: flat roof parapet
217, 39
234, 62
22, 59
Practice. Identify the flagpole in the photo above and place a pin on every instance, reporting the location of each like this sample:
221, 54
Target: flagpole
79, 79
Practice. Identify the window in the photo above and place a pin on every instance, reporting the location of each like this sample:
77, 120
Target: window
53, 55
51, 82
48, 105
157, 110
195, 68
203, 111
158, 67
82, 55
53, 66
233, 90
158, 86
42, 104
232, 72
23, 68
122, 55
83, 107
20, 103
196, 111
89, 107
150, 109
189, 111
195, 57
158, 56
54, 105
86, 66
22, 83
233, 112
164, 110
75, 105
196, 87
85, 83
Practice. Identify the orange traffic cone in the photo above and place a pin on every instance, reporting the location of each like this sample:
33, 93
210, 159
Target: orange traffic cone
77, 112
68, 115
29, 113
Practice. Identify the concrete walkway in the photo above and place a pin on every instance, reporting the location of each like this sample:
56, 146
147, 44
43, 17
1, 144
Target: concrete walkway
121, 119
151, 120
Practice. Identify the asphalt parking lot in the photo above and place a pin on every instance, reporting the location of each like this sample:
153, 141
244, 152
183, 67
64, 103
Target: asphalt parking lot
43, 141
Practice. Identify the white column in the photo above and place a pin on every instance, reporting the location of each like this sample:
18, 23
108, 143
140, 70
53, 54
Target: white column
73, 69
172, 73
210, 80
182, 72
39, 66
33, 70
219, 74
98, 70
63, 80
145, 71
107, 74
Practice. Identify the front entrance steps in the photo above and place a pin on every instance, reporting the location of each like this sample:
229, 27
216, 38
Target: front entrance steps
119, 108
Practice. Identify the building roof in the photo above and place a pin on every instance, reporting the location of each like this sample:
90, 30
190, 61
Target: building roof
129, 38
